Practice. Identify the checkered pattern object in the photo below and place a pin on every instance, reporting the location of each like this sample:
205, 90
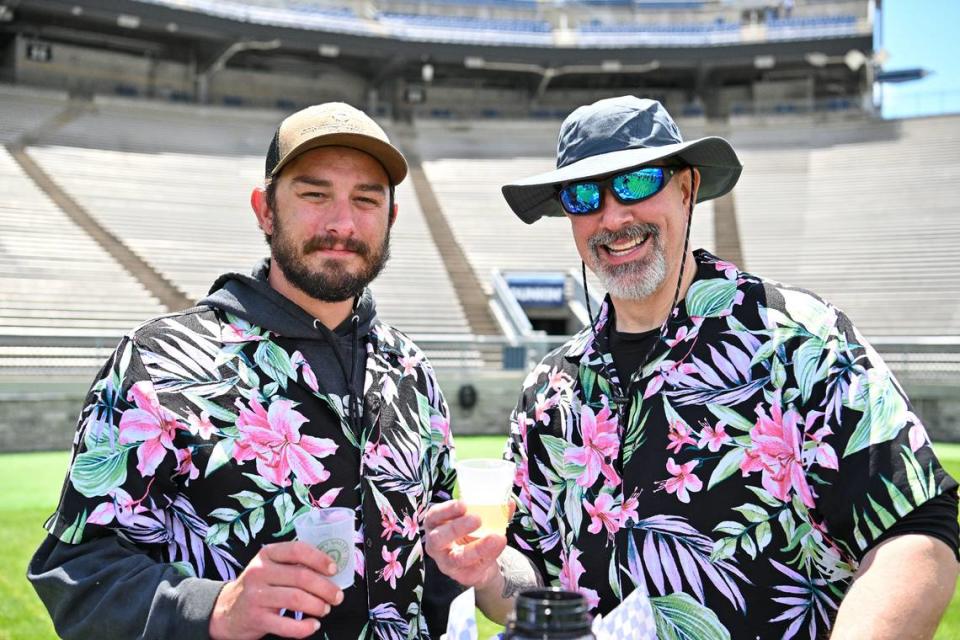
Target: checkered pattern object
632, 619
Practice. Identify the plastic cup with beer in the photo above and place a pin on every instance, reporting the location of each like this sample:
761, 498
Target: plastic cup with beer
485, 485
332, 531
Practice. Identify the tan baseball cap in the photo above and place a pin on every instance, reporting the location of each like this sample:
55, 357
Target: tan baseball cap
328, 125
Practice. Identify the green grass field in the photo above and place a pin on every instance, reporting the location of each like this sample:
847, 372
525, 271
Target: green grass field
30, 484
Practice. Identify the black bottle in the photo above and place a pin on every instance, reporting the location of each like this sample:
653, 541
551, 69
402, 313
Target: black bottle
549, 614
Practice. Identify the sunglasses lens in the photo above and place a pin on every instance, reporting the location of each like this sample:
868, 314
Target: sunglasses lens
583, 197
639, 184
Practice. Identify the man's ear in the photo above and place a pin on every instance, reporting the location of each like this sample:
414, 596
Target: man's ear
258, 202
394, 213
692, 188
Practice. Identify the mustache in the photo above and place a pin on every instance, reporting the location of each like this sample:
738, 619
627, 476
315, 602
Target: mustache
633, 232
321, 243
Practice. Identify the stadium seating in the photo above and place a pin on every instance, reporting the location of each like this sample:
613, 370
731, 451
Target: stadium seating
64, 302
188, 217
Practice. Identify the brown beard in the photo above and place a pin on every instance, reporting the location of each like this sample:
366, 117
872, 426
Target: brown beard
332, 282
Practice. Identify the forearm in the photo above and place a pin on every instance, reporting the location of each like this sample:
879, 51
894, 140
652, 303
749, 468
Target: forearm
516, 573
104, 588
901, 591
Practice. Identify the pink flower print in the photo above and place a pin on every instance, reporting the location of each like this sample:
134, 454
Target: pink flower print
272, 437
628, 511
388, 522
201, 426
523, 423
185, 466
541, 410
150, 423
558, 380
570, 572
775, 452
309, 377
677, 339
600, 444
239, 331
729, 269
713, 438
602, 515
392, 569
679, 435
917, 436
824, 454
668, 372
326, 499
409, 364
442, 425
410, 527
375, 454
120, 506
683, 480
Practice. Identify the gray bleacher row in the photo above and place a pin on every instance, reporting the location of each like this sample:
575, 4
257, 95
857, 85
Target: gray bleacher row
188, 216
865, 206
63, 301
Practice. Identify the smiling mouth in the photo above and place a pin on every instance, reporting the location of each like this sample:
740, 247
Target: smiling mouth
623, 248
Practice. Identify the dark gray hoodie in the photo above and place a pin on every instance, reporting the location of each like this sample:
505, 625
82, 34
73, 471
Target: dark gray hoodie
338, 357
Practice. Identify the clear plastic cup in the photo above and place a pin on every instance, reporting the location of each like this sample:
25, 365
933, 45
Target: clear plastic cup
332, 531
485, 485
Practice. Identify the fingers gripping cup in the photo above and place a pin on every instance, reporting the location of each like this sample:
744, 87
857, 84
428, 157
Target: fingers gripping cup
485, 485
331, 530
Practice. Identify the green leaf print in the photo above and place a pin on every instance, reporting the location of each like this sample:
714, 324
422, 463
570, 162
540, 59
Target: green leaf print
815, 316
805, 365
680, 617
275, 362
98, 471
710, 298
556, 447
220, 456
729, 464
730, 417
885, 412
634, 436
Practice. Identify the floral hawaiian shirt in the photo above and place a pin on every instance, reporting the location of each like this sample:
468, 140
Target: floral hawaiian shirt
204, 437
747, 469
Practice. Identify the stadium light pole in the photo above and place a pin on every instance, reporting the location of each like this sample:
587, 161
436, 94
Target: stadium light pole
203, 78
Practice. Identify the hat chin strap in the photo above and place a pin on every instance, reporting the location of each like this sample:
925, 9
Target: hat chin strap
676, 293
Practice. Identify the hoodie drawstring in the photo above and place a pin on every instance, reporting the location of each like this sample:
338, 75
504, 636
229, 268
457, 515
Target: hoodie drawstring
353, 393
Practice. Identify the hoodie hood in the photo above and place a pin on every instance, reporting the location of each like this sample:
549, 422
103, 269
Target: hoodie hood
338, 358
252, 298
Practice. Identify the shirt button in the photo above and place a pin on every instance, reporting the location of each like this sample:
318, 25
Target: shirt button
369, 543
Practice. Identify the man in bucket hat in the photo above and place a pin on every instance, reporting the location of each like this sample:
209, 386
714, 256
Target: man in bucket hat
211, 430
731, 445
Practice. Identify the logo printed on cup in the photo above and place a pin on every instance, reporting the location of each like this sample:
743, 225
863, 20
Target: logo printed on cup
337, 550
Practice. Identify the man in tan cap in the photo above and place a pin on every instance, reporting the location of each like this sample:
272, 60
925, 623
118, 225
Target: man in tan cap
209, 432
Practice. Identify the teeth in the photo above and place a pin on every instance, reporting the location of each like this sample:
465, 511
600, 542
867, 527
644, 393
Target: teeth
623, 248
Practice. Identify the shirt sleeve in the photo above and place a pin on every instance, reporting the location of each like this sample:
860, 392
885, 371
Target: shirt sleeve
872, 463
107, 588
120, 479
937, 518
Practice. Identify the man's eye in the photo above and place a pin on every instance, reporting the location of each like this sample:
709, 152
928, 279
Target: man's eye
370, 202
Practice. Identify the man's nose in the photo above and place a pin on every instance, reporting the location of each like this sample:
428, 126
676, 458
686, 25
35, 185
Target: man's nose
613, 214
340, 220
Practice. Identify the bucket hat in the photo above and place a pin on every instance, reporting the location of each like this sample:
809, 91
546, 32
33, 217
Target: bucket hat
614, 134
